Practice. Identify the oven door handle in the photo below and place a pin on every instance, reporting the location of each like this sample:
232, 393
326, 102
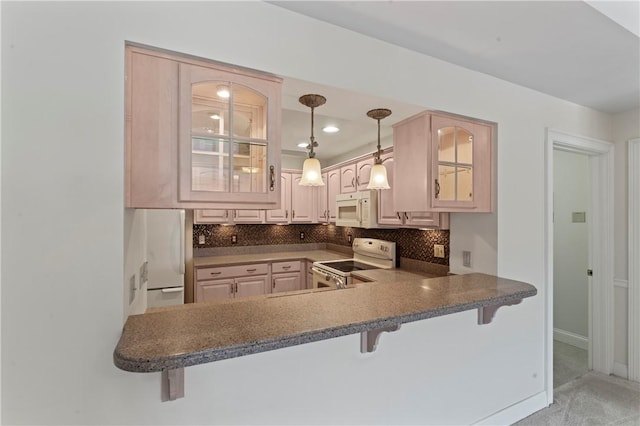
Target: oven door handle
318, 271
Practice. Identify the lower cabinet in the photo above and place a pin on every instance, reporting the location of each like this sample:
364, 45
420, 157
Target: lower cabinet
286, 276
226, 282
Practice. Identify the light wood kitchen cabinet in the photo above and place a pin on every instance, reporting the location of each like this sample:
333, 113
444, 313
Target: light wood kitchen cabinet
281, 215
461, 170
363, 173
286, 276
187, 146
228, 216
442, 164
388, 214
225, 282
322, 206
151, 126
333, 189
303, 201
298, 204
348, 179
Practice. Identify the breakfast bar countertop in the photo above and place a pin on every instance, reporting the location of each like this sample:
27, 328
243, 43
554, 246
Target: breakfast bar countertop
192, 334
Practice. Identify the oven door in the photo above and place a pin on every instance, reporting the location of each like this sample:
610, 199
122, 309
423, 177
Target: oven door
322, 279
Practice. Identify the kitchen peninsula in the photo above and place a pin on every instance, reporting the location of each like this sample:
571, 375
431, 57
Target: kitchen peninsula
200, 333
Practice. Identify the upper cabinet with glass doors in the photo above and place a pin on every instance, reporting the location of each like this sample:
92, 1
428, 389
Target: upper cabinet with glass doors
443, 164
226, 137
461, 171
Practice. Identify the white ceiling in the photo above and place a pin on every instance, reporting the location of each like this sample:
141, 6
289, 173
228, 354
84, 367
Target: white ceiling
587, 53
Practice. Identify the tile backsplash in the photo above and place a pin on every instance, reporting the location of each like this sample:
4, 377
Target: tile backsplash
411, 243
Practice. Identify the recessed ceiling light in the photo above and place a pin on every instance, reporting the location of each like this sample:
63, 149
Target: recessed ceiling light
214, 116
330, 129
303, 144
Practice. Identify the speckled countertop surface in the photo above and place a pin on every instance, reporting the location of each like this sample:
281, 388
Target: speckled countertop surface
238, 259
391, 275
204, 332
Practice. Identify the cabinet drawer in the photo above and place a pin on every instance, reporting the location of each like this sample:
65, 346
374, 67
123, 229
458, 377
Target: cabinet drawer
231, 271
285, 266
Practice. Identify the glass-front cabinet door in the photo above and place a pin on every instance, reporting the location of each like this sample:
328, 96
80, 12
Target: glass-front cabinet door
229, 137
461, 168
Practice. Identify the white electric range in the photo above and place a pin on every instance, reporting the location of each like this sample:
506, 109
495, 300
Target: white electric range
368, 253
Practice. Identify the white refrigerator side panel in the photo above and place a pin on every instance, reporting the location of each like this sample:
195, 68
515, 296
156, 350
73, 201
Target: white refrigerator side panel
165, 248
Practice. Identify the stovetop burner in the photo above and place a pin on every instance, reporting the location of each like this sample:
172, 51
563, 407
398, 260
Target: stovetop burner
349, 266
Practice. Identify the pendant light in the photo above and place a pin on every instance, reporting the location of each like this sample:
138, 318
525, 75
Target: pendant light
378, 178
311, 174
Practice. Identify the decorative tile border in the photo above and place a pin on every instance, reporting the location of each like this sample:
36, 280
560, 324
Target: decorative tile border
411, 243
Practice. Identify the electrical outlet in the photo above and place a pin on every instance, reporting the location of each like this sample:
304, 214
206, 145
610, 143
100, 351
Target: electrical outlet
466, 259
132, 288
144, 273
302, 235
438, 250
200, 239
234, 239
349, 238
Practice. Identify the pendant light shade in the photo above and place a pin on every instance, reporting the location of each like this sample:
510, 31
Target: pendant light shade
311, 173
378, 178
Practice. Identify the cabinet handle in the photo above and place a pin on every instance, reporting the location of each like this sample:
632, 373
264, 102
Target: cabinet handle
398, 214
251, 270
286, 214
274, 284
358, 180
272, 178
286, 267
293, 214
226, 214
406, 216
235, 288
235, 214
216, 273
353, 181
437, 188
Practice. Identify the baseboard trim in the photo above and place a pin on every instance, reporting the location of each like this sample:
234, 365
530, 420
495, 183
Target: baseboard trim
620, 370
517, 411
571, 338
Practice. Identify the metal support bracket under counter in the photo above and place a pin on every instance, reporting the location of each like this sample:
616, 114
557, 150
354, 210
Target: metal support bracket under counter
206, 332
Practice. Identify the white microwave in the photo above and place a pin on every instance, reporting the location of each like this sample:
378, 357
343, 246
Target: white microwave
357, 209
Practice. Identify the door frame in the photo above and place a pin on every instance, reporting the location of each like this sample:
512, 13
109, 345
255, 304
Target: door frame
633, 293
601, 157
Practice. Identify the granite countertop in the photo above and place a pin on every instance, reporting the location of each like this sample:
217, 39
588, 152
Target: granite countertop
199, 333
391, 275
238, 259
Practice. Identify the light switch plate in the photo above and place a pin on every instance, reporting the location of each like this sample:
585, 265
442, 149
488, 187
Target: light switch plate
201, 239
466, 259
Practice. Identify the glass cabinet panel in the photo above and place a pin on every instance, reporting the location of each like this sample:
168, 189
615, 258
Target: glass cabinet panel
225, 114
455, 164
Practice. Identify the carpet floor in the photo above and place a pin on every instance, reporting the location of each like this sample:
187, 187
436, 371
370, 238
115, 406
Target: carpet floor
569, 362
592, 399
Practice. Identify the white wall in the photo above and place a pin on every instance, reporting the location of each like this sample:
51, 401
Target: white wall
64, 225
626, 126
571, 243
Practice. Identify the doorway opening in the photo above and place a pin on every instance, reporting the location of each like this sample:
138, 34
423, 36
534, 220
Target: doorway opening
599, 226
571, 286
